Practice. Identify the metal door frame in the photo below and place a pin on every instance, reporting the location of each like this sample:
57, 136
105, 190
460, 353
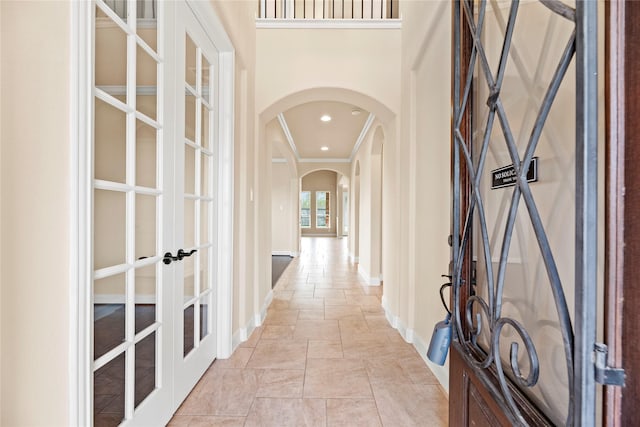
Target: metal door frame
579, 339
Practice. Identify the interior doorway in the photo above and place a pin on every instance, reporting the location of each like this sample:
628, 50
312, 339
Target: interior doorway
160, 283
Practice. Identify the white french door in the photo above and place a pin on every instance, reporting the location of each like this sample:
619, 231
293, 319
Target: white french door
155, 184
196, 150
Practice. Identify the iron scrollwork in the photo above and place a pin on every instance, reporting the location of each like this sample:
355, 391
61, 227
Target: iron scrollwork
468, 320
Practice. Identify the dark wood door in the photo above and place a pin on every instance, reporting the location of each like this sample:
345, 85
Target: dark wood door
528, 222
622, 295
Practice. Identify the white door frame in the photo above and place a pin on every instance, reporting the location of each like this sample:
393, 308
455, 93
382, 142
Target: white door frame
80, 217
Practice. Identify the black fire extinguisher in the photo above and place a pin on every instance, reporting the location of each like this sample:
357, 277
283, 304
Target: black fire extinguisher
441, 338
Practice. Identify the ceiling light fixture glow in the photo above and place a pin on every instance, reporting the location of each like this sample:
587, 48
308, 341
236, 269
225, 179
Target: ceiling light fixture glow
326, 118
324, 148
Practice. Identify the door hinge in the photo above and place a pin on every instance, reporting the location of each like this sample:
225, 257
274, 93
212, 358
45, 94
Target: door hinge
605, 374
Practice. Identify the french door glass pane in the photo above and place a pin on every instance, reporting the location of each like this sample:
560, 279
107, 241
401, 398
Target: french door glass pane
110, 54
205, 175
189, 278
188, 332
119, 7
110, 142
145, 298
145, 368
189, 223
145, 228
204, 269
147, 13
204, 317
206, 71
146, 83
108, 397
190, 117
109, 240
189, 169
204, 222
190, 62
108, 314
146, 155
204, 127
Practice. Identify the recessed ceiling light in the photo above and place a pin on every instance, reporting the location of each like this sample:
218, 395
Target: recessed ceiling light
326, 118
356, 111
324, 148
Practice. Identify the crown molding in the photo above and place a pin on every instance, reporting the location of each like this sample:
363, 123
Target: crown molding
363, 133
320, 160
287, 134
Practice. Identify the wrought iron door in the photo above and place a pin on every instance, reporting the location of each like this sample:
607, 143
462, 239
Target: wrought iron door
520, 242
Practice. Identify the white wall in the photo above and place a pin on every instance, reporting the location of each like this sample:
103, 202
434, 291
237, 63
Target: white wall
1, 62
238, 19
369, 212
282, 210
293, 60
36, 207
428, 99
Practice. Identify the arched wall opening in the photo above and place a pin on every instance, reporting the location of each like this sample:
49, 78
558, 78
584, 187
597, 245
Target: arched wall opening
386, 121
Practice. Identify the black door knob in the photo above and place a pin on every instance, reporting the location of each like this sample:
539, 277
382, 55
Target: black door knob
183, 254
168, 258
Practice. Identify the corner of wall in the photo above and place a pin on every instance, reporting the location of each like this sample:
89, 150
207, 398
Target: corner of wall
369, 280
242, 334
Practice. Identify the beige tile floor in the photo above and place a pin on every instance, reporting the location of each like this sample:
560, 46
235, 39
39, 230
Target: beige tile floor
325, 356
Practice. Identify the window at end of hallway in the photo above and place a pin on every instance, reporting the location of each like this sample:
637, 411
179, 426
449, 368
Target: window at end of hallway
305, 209
323, 216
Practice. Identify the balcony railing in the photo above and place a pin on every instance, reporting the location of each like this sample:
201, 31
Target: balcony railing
145, 9
329, 9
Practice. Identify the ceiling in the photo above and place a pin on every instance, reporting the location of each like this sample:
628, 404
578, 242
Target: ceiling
308, 133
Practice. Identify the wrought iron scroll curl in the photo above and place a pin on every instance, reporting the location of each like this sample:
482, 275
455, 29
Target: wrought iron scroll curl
492, 307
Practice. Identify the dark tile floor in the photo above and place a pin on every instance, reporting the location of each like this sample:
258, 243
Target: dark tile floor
109, 381
278, 264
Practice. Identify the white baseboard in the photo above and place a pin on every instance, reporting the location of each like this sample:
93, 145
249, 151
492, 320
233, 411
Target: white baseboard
243, 334
259, 317
120, 299
387, 312
440, 372
371, 281
353, 258
409, 335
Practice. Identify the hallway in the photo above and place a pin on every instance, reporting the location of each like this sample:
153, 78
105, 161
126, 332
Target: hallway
325, 356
